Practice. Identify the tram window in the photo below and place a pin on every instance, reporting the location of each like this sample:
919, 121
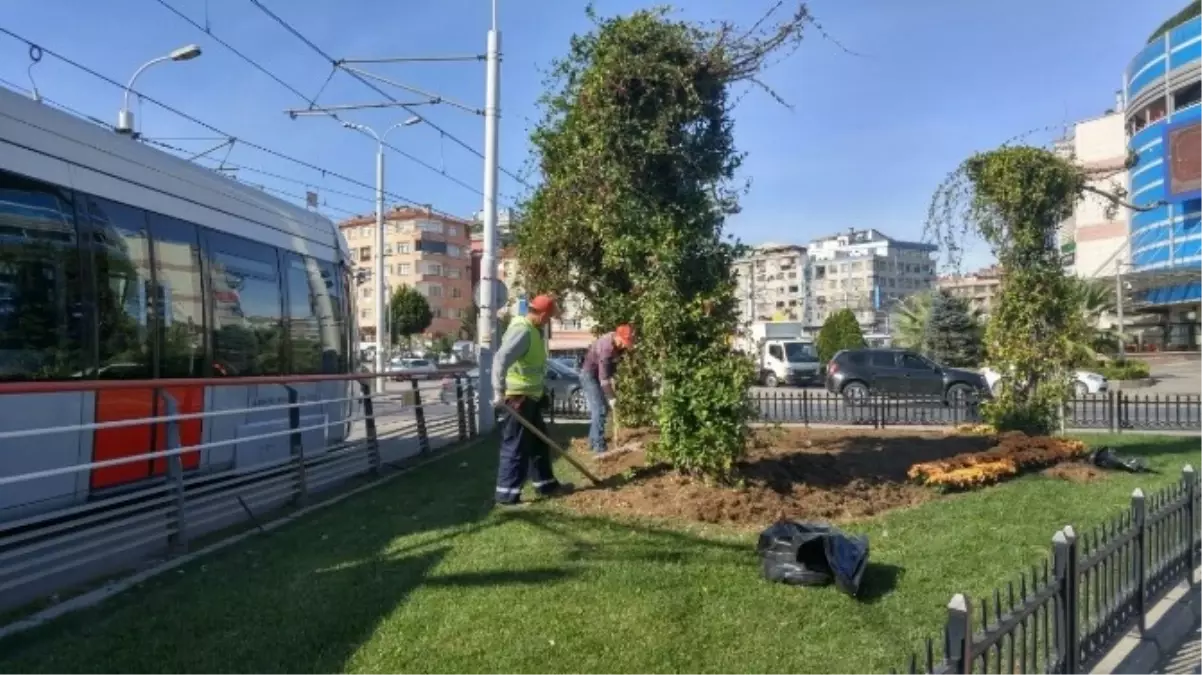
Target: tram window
41, 287
179, 298
340, 305
247, 321
120, 252
310, 315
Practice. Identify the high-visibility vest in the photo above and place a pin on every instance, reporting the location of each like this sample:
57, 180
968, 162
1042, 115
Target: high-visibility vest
527, 375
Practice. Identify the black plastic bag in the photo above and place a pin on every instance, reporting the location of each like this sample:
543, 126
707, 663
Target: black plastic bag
1106, 458
813, 554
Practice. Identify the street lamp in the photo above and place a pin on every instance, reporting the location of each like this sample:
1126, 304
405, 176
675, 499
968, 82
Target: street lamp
381, 300
125, 118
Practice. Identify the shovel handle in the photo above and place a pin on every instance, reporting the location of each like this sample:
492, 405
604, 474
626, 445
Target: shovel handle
550, 443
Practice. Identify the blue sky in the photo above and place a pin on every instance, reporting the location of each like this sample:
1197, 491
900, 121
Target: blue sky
865, 143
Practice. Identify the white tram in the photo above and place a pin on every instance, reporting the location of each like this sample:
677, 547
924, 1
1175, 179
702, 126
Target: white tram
119, 261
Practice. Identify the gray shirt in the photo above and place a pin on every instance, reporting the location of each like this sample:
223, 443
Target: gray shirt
513, 347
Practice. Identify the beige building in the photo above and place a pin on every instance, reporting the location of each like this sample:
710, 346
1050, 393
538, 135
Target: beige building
1093, 243
978, 288
771, 286
427, 251
867, 272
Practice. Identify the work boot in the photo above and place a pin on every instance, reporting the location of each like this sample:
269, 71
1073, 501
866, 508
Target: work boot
557, 490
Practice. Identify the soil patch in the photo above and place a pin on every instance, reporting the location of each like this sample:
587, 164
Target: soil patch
825, 474
1076, 472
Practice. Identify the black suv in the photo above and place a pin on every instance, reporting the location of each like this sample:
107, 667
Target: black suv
859, 373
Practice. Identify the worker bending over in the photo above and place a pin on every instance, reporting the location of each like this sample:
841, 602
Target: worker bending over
596, 379
519, 372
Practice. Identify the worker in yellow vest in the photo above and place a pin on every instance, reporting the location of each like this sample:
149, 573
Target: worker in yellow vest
518, 377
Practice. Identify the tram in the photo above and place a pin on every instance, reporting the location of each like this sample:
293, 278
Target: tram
122, 262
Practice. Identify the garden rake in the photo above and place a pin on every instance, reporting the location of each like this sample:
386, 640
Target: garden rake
550, 443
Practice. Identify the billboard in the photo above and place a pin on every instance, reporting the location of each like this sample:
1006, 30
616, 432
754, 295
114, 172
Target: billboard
1183, 162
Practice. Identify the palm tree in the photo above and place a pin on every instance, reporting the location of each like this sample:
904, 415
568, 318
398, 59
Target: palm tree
910, 321
1095, 299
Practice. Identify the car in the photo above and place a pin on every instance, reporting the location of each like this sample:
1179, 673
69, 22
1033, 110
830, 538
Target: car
562, 383
857, 374
1085, 382
402, 368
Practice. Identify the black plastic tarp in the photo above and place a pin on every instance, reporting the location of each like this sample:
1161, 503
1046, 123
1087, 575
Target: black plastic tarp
813, 554
1106, 458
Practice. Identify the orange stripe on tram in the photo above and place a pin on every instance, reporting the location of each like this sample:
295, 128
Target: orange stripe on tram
113, 405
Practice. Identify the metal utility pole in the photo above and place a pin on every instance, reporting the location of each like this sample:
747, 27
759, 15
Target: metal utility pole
487, 317
1118, 304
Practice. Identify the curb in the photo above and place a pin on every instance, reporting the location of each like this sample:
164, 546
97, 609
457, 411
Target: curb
1142, 383
1169, 622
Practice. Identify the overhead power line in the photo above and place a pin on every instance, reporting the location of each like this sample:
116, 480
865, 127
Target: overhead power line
199, 122
313, 106
337, 63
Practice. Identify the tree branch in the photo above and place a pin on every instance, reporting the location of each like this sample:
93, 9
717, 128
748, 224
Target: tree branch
1116, 200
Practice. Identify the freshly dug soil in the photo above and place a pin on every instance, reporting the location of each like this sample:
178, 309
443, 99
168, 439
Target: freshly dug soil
1076, 472
826, 474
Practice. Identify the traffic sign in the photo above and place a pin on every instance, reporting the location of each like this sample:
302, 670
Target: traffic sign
500, 294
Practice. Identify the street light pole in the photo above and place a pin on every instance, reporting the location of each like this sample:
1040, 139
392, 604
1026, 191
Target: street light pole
125, 118
380, 284
1118, 304
487, 318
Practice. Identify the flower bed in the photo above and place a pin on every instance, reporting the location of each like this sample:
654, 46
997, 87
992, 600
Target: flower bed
1014, 454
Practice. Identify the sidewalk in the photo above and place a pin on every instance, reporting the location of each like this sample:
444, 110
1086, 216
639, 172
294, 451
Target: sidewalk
1170, 645
1187, 658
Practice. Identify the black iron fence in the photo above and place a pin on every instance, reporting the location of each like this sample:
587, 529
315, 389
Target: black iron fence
1113, 412
1064, 615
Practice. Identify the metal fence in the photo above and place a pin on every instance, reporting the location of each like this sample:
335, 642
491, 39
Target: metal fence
58, 530
1065, 614
1113, 411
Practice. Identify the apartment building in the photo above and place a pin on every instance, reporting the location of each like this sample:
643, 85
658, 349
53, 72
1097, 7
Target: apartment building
771, 283
978, 288
1094, 243
867, 272
428, 251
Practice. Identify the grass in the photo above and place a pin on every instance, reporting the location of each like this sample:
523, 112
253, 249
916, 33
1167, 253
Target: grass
424, 575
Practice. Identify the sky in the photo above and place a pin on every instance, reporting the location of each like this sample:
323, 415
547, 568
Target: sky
879, 112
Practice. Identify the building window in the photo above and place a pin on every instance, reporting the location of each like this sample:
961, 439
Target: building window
431, 268
454, 273
405, 269
364, 314
1187, 96
430, 226
404, 249
387, 249
452, 230
456, 292
365, 292
452, 250
365, 254
434, 291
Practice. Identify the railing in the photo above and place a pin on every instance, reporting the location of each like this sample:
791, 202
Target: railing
1113, 412
1096, 586
295, 447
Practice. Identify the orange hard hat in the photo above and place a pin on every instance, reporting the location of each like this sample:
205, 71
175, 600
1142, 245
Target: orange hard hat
625, 333
542, 304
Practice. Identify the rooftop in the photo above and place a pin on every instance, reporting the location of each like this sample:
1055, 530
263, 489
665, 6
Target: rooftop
404, 213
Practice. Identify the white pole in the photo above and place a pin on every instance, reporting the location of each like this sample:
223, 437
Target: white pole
487, 318
381, 335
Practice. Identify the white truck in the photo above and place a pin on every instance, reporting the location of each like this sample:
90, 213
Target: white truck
783, 352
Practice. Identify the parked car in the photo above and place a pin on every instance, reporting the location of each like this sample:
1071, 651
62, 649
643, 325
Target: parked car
399, 368
1085, 382
562, 382
857, 374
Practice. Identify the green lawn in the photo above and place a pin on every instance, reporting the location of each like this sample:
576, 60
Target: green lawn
423, 575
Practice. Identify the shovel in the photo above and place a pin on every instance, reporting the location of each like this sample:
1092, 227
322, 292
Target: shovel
550, 443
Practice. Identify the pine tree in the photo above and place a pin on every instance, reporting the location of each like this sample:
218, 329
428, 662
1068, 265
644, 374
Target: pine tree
839, 331
955, 335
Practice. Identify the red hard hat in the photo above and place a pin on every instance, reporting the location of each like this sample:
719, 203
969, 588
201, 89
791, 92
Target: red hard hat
542, 304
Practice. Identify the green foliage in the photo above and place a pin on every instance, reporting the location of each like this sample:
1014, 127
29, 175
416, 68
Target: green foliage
1122, 369
839, 331
467, 326
636, 155
409, 312
910, 320
1193, 9
442, 344
1015, 198
955, 336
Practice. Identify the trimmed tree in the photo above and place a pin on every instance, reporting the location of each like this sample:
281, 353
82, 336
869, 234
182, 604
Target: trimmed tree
955, 336
636, 153
839, 331
1015, 198
409, 312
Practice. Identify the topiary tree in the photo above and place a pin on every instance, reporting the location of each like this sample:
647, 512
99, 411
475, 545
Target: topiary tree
955, 336
1015, 198
840, 331
636, 155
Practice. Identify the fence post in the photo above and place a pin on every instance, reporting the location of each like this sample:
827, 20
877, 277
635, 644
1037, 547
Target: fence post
805, 407
1110, 407
1139, 512
470, 393
957, 635
460, 411
419, 412
178, 541
1191, 518
369, 419
1064, 556
1120, 412
296, 446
